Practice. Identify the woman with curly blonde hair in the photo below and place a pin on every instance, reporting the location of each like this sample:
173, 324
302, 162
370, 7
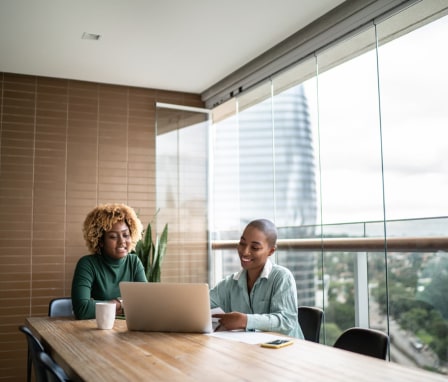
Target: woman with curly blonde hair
111, 232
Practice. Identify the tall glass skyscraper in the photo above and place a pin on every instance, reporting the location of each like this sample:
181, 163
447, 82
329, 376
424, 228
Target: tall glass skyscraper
276, 179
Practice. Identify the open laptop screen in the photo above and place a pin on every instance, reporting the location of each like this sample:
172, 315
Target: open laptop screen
167, 307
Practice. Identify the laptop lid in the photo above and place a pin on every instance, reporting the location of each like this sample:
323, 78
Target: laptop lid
167, 307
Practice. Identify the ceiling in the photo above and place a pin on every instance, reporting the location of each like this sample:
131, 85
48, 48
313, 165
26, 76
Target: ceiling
182, 45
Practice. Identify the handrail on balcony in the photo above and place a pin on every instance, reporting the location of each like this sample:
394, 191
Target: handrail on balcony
361, 244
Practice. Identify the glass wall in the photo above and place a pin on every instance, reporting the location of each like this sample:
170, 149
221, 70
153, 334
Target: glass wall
414, 87
182, 171
349, 133
350, 143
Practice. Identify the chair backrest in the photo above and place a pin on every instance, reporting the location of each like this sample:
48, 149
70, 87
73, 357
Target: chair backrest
53, 370
61, 307
369, 342
34, 349
310, 320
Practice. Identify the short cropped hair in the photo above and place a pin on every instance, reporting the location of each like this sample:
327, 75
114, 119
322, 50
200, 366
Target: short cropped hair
103, 217
268, 228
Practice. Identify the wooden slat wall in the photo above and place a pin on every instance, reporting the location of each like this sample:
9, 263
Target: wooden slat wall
65, 146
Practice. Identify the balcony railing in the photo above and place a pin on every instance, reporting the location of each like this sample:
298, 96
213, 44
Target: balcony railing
351, 265
364, 244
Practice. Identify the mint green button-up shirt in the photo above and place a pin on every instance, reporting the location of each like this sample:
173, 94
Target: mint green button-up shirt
271, 305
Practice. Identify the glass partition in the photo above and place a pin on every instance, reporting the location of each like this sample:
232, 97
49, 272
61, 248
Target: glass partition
414, 89
349, 134
349, 144
346, 144
182, 191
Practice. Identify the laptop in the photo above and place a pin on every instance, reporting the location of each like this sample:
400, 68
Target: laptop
167, 307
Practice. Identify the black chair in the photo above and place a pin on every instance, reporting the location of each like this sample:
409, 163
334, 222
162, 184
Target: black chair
53, 370
60, 307
364, 341
34, 348
310, 320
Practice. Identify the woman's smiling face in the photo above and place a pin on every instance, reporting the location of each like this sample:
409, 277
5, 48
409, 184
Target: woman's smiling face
117, 241
254, 249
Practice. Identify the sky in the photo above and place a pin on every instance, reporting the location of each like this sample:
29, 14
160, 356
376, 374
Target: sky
414, 124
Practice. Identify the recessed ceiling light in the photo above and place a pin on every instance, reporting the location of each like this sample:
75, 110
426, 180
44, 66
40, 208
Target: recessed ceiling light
90, 36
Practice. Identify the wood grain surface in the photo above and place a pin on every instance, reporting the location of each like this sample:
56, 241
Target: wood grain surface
90, 354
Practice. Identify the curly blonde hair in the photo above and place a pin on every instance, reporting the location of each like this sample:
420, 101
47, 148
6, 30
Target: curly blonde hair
103, 217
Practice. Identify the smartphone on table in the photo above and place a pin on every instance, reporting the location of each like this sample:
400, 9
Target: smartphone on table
276, 344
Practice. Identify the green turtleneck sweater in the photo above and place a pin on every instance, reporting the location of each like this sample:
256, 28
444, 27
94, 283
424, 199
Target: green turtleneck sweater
97, 278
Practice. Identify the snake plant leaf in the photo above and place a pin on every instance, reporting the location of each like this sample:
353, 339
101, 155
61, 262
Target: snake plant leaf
141, 253
151, 252
159, 253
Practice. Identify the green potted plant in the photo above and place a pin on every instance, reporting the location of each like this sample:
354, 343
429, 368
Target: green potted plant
151, 252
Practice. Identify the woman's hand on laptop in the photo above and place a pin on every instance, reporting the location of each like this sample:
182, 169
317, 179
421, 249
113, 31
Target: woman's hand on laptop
118, 306
231, 321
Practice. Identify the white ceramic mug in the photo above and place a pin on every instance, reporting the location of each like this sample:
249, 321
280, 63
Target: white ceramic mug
105, 315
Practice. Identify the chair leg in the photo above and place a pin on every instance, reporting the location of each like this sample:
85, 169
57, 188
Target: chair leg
28, 366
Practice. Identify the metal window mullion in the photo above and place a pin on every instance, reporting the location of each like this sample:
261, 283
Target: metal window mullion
361, 291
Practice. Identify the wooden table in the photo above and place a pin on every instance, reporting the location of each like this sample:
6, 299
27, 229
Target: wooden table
89, 354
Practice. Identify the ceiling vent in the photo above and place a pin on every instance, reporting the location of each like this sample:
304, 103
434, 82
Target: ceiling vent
90, 36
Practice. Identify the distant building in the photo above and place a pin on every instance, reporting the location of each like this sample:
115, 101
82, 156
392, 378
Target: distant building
294, 197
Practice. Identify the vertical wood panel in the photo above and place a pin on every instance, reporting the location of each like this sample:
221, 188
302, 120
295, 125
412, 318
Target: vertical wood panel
48, 245
16, 191
65, 147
